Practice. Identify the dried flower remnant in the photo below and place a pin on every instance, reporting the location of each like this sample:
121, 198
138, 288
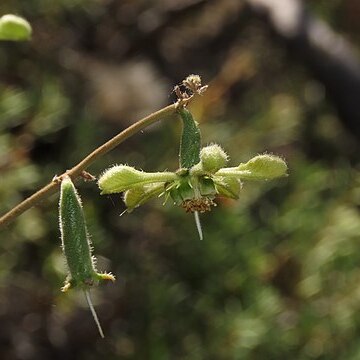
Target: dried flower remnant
193, 83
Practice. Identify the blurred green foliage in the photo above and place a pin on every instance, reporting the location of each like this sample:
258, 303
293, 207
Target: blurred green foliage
277, 274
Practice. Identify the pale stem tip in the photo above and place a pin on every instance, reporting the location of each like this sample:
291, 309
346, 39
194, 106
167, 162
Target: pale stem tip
93, 312
125, 211
198, 225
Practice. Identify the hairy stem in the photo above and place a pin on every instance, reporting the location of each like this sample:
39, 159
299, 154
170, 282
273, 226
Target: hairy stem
76, 171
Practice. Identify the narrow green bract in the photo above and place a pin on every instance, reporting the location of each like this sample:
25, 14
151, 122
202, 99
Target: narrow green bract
190, 140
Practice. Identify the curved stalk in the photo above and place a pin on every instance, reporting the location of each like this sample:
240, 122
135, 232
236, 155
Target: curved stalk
93, 312
77, 170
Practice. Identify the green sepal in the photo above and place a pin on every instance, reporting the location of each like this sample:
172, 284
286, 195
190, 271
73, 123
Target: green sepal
14, 28
190, 140
227, 186
94, 280
181, 191
207, 187
141, 194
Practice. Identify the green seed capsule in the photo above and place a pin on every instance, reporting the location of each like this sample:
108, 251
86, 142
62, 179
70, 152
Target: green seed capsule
76, 244
190, 140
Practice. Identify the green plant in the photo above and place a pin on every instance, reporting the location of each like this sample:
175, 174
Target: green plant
76, 245
14, 28
202, 175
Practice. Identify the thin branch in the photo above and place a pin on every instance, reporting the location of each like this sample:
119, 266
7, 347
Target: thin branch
76, 171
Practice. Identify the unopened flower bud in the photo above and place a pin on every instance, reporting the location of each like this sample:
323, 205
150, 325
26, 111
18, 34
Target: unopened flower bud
181, 191
213, 158
207, 187
265, 167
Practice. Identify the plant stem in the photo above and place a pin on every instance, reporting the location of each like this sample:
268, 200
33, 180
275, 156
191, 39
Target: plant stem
198, 225
76, 171
93, 312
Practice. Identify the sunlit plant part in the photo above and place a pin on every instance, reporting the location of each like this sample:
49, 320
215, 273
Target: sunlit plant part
76, 245
201, 177
14, 28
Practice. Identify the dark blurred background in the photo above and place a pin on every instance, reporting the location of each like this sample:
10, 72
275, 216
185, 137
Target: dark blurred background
278, 274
